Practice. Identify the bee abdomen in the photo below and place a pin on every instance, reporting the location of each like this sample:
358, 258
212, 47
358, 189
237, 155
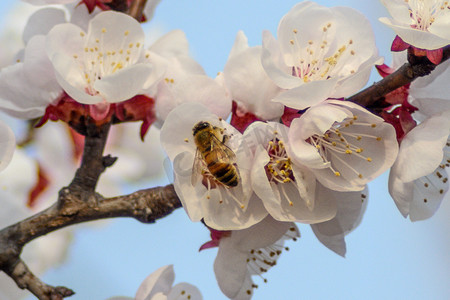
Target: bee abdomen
225, 173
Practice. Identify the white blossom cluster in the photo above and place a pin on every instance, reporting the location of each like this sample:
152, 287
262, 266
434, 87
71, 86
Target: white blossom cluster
270, 142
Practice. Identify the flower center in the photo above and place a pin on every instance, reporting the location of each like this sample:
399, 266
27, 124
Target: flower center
339, 140
99, 60
424, 12
279, 168
311, 62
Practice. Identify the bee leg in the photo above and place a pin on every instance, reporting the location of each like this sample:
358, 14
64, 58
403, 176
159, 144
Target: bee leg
225, 138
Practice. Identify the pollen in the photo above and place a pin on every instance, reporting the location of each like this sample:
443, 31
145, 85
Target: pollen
186, 140
126, 32
103, 30
337, 174
369, 159
292, 42
81, 33
373, 125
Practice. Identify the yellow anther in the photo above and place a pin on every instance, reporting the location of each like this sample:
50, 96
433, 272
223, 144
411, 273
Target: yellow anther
359, 150
358, 137
379, 138
348, 151
333, 143
186, 140
81, 33
97, 40
292, 42
337, 174
360, 176
295, 30
373, 125
126, 32
369, 159
103, 30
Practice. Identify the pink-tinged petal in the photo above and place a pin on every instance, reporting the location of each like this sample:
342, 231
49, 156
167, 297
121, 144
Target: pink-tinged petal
421, 150
230, 267
307, 94
241, 120
7, 145
159, 281
273, 63
42, 21
384, 70
399, 45
99, 111
123, 84
435, 56
184, 290
350, 209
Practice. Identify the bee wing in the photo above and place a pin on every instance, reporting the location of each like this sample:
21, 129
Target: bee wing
197, 168
224, 153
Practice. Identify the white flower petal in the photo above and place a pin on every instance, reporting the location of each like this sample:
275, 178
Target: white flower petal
421, 150
42, 21
273, 64
123, 84
159, 281
230, 268
184, 290
351, 207
7, 145
307, 95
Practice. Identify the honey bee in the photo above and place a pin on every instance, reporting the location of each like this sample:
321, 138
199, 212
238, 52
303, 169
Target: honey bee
214, 155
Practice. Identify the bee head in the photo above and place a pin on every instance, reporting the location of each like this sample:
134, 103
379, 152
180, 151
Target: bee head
200, 126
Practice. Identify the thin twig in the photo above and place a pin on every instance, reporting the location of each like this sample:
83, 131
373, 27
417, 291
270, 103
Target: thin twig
417, 67
137, 9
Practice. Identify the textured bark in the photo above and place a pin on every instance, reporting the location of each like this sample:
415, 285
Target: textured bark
373, 97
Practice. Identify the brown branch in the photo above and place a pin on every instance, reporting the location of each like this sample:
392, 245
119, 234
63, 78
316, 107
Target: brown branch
415, 68
145, 206
137, 9
92, 163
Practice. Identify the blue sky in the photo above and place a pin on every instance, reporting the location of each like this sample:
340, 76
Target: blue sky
388, 257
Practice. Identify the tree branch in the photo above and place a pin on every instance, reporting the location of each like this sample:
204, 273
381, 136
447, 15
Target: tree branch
145, 206
137, 9
415, 68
